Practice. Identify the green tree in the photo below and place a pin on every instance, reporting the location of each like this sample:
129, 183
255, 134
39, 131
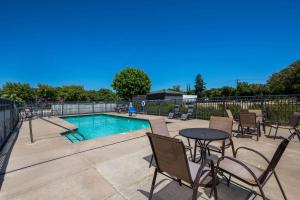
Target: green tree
214, 92
44, 91
287, 81
72, 93
92, 95
21, 92
131, 82
227, 91
199, 86
106, 95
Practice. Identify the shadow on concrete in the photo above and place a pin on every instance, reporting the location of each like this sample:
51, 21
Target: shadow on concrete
6, 152
173, 191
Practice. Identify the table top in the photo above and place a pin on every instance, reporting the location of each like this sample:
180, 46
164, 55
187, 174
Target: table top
204, 134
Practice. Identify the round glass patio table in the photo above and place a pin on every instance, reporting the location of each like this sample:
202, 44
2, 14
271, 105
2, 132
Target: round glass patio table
202, 137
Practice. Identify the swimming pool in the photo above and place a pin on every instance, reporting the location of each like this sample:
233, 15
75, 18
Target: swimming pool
100, 125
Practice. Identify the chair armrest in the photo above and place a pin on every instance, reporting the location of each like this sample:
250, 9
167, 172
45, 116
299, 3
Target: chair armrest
254, 151
239, 163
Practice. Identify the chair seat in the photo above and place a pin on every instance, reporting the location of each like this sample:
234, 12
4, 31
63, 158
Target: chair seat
194, 167
239, 171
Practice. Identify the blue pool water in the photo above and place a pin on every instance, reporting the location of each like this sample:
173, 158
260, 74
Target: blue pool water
95, 126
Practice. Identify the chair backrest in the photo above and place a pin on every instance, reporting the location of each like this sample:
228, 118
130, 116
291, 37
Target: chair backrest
221, 123
159, 127
294, 120
275, 159
259, 114
170, 156
229, 113
248, 119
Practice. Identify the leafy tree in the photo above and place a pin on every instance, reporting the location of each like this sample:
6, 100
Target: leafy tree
287, 81
44, 91
92, 95
106, 95
131, 82
199, 86
72, 93
214, 92
227, 91
188, 90
21, 92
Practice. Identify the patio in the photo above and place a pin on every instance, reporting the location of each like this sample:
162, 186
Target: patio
116, 167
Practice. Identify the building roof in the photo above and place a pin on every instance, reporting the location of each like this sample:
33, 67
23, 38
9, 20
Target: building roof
166, 92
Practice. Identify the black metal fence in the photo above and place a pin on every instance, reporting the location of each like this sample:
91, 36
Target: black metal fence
9, 118
70, 108
278, 108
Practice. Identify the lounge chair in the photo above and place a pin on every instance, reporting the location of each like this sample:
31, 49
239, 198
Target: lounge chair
159, 127
259, 117
174, 113
249, 124
251, 174
223, 124
291, 126
171, 161
188, 114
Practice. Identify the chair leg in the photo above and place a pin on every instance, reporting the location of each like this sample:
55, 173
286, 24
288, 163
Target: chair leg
232, 148
270, 131
195, 192
151, 161
276, 133
281, 189
153, 184
262, 192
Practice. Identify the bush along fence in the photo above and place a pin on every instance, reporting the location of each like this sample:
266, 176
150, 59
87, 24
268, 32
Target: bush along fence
9, 118
275, 108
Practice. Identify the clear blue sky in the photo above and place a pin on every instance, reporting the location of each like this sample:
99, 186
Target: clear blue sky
87, 42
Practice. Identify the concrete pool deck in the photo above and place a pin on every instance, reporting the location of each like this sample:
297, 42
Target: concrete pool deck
116, 167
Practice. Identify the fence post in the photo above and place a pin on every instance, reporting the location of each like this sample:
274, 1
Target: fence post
30, 130
158, 107
224, 107
93, 106
78, 109
196, 115
62, 109
4, 120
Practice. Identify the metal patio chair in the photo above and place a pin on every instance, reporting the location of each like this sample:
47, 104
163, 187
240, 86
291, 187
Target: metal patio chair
249, 124
223, 124
251, 174
159, 127
235, 122
171, 161
291, 126
259, 117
